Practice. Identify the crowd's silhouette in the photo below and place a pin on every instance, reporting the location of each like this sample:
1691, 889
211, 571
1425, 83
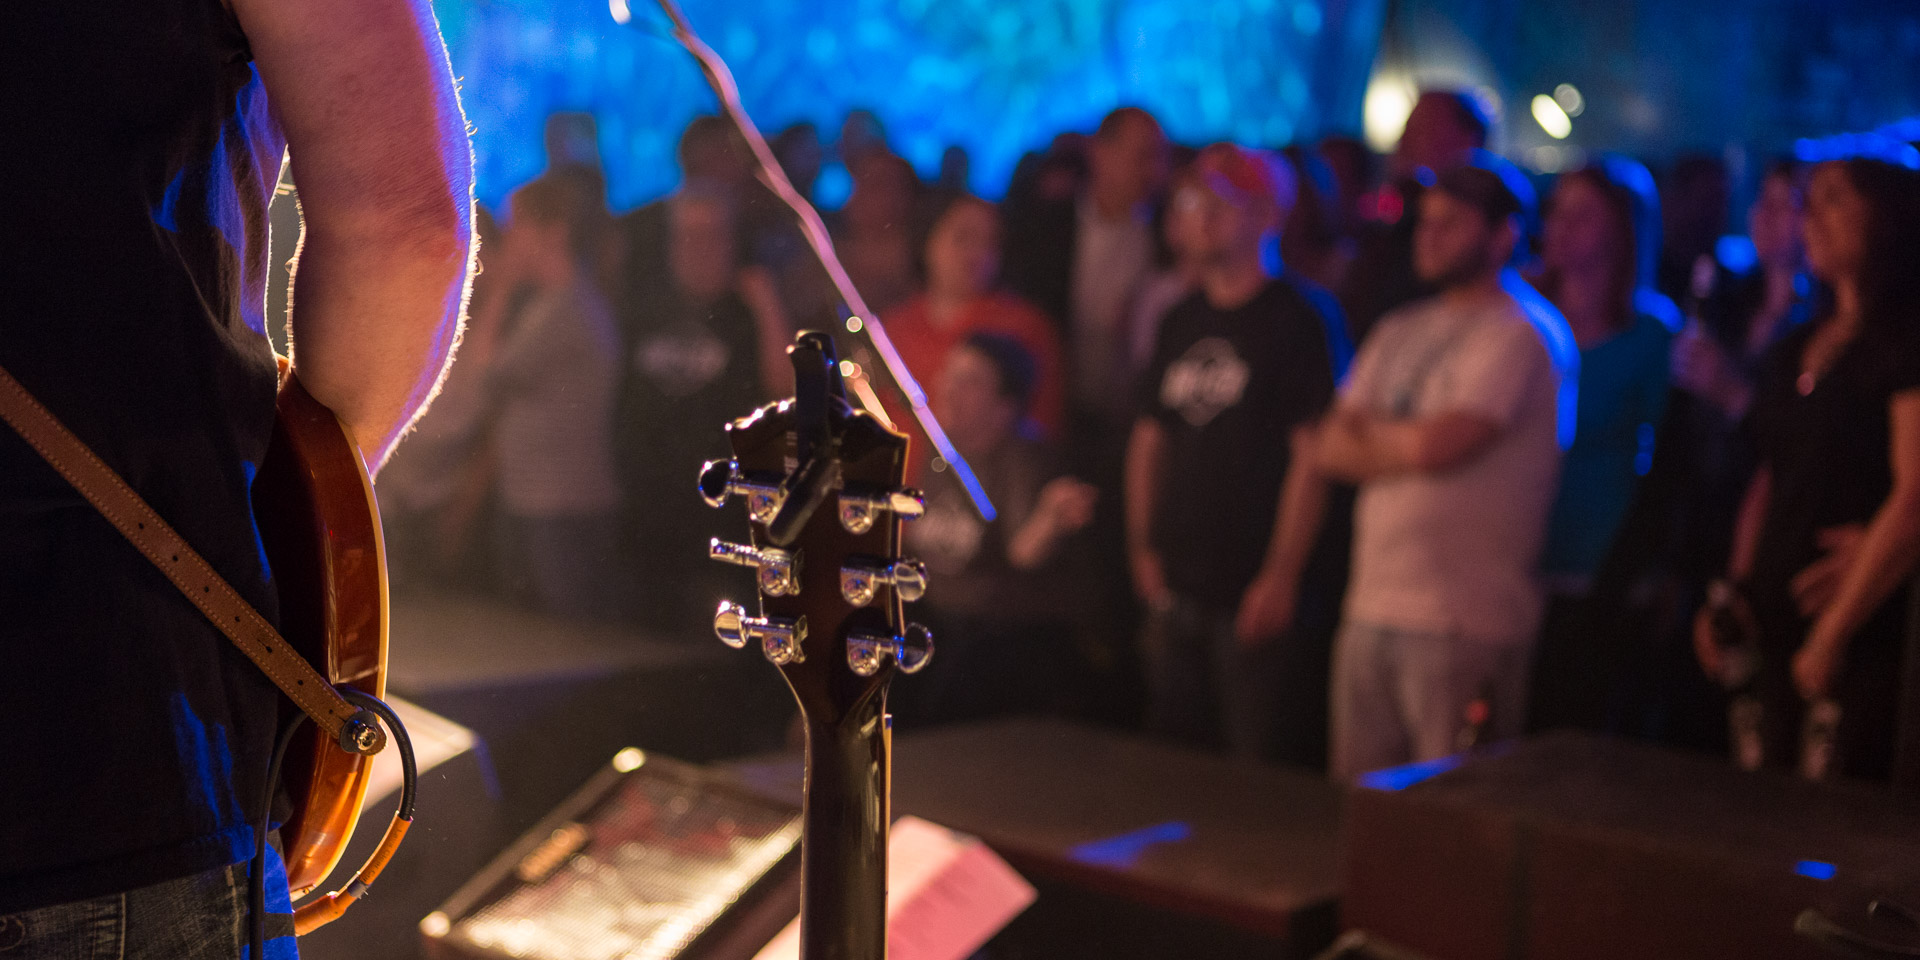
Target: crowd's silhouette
1313, 456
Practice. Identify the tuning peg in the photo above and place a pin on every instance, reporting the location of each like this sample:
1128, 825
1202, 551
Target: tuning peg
867, 652
730, 624
916, 648
859, 581
720, 479
860, 508
780, 639
779, 571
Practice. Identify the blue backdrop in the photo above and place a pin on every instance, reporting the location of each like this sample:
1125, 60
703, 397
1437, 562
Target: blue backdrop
998, 77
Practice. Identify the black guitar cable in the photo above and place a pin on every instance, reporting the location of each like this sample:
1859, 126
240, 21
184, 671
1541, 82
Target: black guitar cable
409, 786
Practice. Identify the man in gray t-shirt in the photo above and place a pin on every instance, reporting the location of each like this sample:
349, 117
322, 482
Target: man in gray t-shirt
1449, 427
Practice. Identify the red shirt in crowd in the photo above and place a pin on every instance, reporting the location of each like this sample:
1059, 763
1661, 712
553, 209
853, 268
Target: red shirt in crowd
925, 347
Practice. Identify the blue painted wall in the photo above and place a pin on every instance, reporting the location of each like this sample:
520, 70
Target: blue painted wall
998, 77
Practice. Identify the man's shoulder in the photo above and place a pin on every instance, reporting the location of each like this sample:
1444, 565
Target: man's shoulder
1184, 317
1519, 319
1546, 323
1504, 319
1406, 319
1296, 294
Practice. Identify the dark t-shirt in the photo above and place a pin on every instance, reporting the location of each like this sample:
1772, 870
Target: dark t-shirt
690, 369
966, 557
1827, 451
1229, 387
133, 196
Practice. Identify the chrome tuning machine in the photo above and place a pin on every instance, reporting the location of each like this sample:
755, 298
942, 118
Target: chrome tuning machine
860, 580
860, 507
782, 640
867, 652
720, 479
777, 571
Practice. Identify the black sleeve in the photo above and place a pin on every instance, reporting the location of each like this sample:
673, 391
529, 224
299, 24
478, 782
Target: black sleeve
1333, 323
1774, 385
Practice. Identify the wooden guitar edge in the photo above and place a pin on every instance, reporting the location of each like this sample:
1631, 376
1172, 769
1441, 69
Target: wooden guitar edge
339, 781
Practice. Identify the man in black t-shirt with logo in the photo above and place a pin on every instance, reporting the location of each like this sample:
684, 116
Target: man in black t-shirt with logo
144, 141
1239, 366
694, 347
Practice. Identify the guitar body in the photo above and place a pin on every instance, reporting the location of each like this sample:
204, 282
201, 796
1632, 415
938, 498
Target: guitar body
313, 501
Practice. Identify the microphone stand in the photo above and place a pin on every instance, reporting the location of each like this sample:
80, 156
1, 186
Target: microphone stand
721, 79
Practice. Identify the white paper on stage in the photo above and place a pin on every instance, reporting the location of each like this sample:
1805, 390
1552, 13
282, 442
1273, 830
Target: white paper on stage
947, 894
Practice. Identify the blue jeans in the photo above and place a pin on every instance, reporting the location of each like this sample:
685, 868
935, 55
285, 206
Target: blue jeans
201, 917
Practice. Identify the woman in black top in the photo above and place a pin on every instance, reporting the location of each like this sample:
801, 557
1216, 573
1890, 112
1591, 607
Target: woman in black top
1830, 529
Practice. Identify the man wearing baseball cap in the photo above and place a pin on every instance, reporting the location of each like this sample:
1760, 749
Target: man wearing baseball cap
1238, 367
1449, 427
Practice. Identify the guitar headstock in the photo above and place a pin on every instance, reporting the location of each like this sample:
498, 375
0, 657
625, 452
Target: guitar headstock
821, 481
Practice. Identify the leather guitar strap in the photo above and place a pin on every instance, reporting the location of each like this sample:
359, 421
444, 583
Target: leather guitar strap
190, 572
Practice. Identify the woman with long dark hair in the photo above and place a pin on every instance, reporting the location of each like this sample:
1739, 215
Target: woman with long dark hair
1830, 528
1598, 249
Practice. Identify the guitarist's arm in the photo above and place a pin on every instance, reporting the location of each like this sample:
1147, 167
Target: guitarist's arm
364, 92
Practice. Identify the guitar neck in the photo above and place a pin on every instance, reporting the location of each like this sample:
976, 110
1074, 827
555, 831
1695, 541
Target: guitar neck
843, 904
821, 481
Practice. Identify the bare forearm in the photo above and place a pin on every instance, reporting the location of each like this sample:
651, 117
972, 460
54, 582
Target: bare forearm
1885, 560
374, 324
1302, 509
1146, 451
1339, 450
378, 145
1033, 543
1357, 447
1746, 527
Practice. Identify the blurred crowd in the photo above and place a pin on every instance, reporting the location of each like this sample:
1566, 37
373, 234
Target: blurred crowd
1310, 455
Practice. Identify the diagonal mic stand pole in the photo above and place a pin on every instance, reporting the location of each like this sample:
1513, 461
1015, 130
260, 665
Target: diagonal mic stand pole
721, 79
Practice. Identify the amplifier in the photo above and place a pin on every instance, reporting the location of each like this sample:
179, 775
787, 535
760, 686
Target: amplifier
1140, 850
1574, 847
651, 860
